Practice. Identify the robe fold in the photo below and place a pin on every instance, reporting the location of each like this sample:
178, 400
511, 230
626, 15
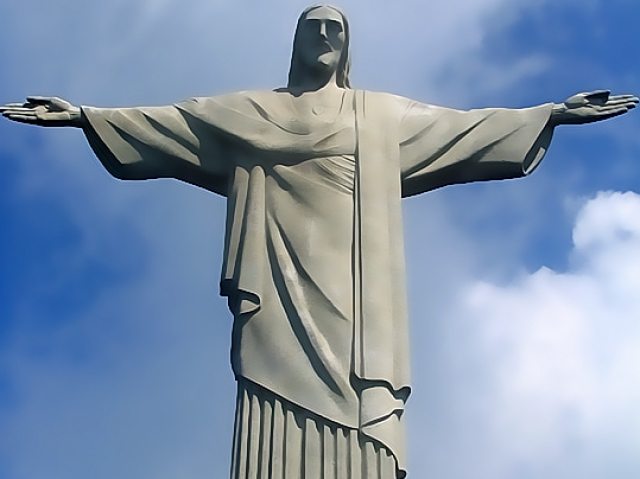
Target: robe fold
313, 262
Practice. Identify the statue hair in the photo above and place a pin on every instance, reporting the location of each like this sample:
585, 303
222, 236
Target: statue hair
342, 72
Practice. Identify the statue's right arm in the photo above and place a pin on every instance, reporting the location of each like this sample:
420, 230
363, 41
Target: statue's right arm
44, 111
138, 143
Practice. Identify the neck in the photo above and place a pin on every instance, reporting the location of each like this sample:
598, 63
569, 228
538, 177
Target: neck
313, 81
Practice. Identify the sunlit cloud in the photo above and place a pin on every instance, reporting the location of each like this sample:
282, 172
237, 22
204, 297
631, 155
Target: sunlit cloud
559, 356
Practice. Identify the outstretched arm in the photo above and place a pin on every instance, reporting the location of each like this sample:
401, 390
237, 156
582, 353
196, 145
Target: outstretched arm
137, 143
44, 111
590, 107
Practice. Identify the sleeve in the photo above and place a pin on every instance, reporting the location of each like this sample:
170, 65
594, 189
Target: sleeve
158, 142
440, 146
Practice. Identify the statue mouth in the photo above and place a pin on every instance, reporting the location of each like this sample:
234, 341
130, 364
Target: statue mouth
324, 47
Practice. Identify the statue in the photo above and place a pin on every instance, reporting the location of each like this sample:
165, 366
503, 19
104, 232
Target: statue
313, 263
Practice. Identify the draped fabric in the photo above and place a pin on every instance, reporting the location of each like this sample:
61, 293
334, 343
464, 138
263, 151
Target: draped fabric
313, 263
274, 439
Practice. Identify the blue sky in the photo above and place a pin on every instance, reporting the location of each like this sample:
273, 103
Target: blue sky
523, 294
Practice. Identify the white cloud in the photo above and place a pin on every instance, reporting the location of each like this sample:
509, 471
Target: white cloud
551, 360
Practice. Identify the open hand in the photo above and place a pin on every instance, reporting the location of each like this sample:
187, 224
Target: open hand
592, 106
43, 111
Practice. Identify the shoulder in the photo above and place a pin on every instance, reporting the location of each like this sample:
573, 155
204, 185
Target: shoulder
397, 105
238, 97
252, 102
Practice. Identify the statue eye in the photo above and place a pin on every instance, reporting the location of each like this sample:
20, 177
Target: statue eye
311, 25
334, 28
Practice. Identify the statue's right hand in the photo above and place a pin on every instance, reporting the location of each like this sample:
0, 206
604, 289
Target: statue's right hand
44, 111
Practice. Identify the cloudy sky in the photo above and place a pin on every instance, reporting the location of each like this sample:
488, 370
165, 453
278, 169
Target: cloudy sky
524, 294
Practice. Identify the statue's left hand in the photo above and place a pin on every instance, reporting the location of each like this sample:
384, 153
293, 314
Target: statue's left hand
592, 106
44, 111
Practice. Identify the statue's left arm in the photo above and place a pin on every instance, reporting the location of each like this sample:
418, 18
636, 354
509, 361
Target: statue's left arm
440, 146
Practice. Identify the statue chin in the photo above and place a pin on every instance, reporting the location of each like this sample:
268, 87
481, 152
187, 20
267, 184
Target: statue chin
326, 62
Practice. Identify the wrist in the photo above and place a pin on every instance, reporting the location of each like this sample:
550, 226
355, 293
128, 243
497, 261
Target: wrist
558, 113
76, 118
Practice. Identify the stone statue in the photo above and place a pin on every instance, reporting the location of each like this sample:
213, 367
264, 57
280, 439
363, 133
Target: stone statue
313, 262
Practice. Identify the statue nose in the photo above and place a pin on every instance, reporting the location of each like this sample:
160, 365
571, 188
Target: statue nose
323, 30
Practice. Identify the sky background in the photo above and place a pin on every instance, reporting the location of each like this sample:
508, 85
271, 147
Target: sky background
524, 294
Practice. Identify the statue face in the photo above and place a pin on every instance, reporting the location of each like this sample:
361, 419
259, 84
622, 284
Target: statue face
321, 39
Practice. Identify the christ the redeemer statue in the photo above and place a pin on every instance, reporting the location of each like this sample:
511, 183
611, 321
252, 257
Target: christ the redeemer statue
313, 262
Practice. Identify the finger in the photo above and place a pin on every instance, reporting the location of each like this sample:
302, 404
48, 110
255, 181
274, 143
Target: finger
623, 97
597, 93
625, 104
576, 100
631, 102
617, 112
39, 100
600, 116
23, 118
58, 104
15, 110
9, 108
598, 97
615, 108
626, 101
628, 104
611, 113
23, 108
12, 105
20, 112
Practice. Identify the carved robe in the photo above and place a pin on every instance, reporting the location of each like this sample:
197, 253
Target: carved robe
313, 262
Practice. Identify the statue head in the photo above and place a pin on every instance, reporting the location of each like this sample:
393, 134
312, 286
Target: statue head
321, 45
